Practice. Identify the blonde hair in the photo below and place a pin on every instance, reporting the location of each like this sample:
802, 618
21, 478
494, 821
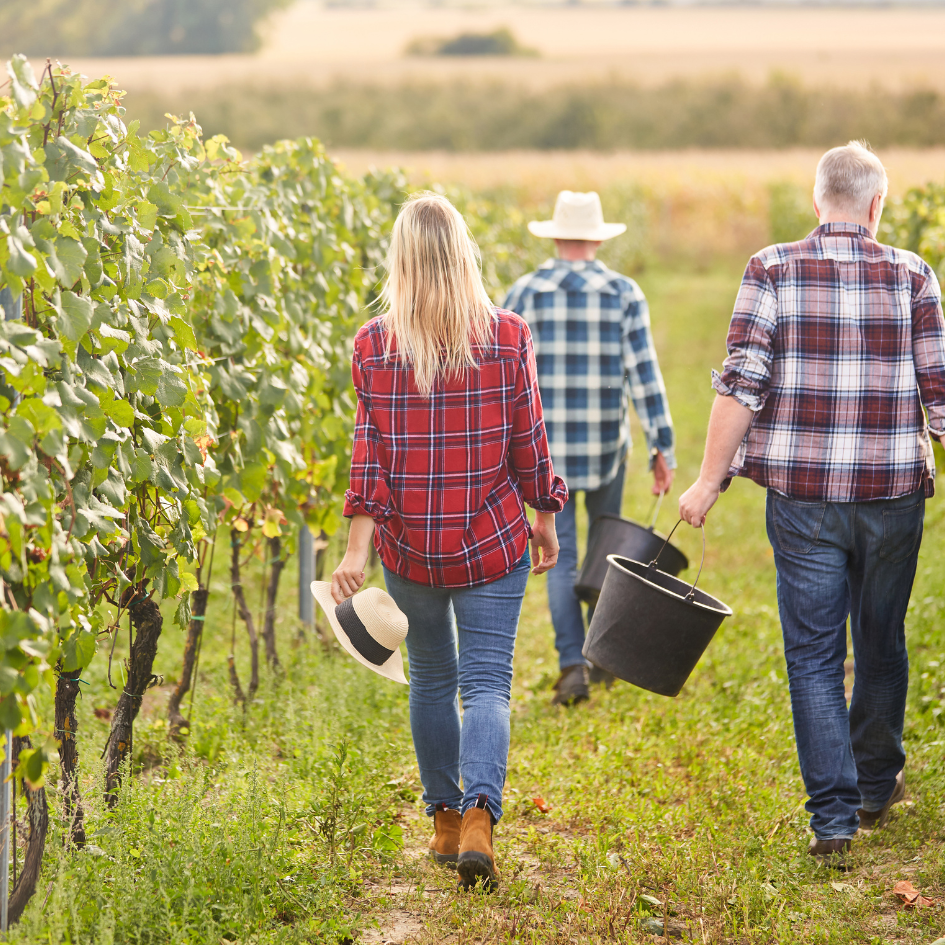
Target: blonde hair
849, 177
434, 303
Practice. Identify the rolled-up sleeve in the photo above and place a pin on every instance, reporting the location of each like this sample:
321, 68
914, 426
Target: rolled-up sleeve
928, 349
369, 489
746, 373
529, 457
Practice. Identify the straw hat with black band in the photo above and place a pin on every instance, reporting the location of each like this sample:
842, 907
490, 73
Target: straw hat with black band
370, 626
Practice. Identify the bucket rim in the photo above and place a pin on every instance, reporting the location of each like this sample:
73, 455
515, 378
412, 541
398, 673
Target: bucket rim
722, 609
646, 528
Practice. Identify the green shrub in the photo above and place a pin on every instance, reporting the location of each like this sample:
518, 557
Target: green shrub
496, 115
181, 365
790, 212
500, 42
917, 222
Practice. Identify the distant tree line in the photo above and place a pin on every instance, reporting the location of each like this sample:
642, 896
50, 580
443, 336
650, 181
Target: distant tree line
500, 42
482, 116
132, 27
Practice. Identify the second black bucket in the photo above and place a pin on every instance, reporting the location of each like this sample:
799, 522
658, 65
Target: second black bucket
613, 535
650, 628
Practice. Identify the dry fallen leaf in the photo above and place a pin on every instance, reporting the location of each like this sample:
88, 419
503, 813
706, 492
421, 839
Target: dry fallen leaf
910, 896
541, 804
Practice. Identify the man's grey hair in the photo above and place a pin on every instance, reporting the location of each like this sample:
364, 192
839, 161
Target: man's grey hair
848, 178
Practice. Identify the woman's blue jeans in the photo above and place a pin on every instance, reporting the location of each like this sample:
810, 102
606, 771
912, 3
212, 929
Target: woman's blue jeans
473, 751
837, 560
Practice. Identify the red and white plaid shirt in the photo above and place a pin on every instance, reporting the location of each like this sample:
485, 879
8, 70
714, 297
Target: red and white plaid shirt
444, 477
837, 342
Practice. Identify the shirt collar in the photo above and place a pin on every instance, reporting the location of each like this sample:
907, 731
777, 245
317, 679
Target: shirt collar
834, 229
574, 265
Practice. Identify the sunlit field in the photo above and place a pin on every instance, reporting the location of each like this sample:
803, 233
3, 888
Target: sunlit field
681, 206
537, 172
314, 44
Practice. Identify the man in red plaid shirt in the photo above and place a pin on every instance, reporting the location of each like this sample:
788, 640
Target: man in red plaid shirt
836, 345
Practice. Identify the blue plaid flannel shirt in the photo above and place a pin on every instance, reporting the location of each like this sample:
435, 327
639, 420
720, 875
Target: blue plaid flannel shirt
591, 330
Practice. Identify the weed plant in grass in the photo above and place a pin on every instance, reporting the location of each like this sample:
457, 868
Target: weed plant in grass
300, 821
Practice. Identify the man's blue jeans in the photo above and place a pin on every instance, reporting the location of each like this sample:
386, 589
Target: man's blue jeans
475, 749
834, 560
567, 616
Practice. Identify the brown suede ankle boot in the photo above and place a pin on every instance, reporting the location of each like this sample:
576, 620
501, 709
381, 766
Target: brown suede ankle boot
444, 846
476, 862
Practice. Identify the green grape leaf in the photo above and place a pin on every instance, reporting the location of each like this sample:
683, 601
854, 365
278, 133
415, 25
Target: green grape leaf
22, 81
76, 315
79, 650
21, 263
171, 389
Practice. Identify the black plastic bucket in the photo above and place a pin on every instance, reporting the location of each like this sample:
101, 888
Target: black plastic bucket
650, 628
613, 535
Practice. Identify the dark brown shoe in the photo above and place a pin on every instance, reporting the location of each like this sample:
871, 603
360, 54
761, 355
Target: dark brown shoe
571, 687
476, 865
830, 852
876, 819
444, 847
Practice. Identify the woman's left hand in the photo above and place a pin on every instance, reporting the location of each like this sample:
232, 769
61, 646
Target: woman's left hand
348, 577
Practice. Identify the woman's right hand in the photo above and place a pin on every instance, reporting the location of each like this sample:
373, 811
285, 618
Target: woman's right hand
544, 543
348, 577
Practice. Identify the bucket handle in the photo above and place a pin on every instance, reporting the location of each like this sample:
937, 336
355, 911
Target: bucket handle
692, 593
656, 510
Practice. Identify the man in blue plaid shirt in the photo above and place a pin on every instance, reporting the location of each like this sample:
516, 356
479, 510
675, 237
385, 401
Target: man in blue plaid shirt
591, 330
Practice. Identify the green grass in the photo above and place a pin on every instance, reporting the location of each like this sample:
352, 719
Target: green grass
300, 820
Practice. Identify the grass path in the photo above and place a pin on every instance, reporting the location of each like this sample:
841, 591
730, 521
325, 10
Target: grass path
300, 821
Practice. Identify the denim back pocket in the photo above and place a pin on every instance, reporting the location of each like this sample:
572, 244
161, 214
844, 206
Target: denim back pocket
797, 524
902, 532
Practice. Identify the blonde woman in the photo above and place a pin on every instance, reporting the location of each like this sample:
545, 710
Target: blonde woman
449, 446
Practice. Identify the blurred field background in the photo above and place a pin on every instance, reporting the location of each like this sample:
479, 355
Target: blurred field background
601, 76
702, 125
895, 47
690, 207
701, 128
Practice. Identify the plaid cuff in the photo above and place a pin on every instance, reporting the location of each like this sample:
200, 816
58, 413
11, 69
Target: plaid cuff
754, 402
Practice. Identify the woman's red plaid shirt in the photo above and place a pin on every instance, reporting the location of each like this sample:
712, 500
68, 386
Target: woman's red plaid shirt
445, 477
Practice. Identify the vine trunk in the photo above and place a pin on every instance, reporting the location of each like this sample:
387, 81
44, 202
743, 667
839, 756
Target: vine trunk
245, 613
198, 605
148, 623
276, 564
67, 690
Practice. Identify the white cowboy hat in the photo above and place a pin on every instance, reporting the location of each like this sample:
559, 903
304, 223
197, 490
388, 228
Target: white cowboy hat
370, 626
577, 217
